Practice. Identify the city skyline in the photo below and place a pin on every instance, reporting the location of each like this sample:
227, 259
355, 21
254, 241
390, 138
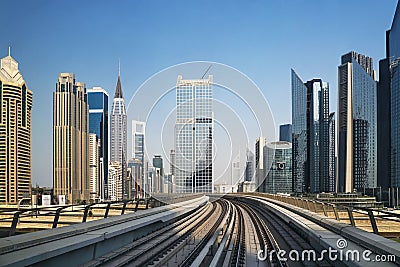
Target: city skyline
97, 67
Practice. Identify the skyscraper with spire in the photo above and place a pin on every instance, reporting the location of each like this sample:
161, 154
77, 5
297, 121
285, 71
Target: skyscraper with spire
119, 131
15, 133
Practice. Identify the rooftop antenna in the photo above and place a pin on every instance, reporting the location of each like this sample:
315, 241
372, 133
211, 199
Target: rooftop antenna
119, 67
202, 77
9, 51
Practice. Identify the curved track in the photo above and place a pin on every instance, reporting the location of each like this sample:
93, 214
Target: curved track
225, 232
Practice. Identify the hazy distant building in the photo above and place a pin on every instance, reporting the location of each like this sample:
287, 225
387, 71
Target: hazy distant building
310, 118
70, 139
194, 136
135, 178
279, 176
285, 133
15, 133
158, 183
172, 162
249, 168
118, 144
259, 164
98, 124
236, 174
357, 125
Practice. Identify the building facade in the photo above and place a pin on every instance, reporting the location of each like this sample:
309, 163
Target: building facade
15, 133
135, 178
118, 144
329, 185
285, 133
115, 181
98, 124
94, 166
249, 168
279, 176
158, 182
357, 125
310, 117
194, 130
259, 164
70, 139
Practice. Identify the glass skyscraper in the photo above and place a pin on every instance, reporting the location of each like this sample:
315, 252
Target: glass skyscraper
285, 133
194, 130
279, 176
310, 119
357, 124
98, 124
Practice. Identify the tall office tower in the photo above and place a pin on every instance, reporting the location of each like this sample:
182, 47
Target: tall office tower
310, 117
285, 133
94, 166
138, 135
119, 132
357, 146
15, 133
329, 185
259, 164
194, 130
158, 182
279, 176
138, 146
249, 169
135, 178
388, 107
115, 178
70, 139
98, 124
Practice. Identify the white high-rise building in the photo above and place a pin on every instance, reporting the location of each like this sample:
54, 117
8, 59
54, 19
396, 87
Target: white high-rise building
94, 166
119, 131
194, 130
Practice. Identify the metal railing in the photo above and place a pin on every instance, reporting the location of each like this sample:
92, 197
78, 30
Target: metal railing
374, 220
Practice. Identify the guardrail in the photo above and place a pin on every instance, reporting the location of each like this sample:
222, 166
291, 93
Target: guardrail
380, 222
29, 219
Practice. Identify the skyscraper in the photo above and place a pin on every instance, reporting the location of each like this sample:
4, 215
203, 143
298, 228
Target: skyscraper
285, 133
388, 102
249, 169
194, 130
94, 166
279, 176
357, 145
70, 139
119, 131
15, 133
115, 181
98, 124
259, 164
138, 135
329, 185
310, 118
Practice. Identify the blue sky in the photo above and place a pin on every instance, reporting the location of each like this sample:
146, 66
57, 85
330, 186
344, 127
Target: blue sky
263, 39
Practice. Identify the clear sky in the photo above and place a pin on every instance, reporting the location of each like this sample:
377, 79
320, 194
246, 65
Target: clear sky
263, 39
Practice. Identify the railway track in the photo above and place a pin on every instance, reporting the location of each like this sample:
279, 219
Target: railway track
225, 232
